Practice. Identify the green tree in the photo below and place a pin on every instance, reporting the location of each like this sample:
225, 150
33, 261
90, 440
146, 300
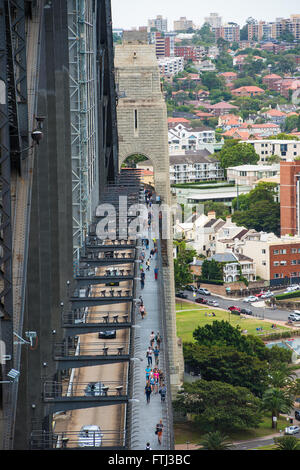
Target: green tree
212, 270
234, 153
219, 406
291, 123
215, 441
287, 443
212, 81
182, 273
221, 210
227, 364
276, 401
281, 376
264, 216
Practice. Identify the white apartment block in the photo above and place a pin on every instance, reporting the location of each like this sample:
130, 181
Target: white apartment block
287, 150
193, 166
171, 66
182, 138
249, 174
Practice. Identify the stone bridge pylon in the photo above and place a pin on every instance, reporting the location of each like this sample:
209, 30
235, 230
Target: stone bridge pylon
142, 129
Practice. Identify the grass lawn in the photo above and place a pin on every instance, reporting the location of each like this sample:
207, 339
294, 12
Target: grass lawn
189, 316
190, 432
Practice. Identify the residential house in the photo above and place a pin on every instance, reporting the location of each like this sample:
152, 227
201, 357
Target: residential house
250, 91
230, 121
275, 116
221, 108
181, 138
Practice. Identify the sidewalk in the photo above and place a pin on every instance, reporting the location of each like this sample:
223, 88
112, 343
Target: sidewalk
146, 416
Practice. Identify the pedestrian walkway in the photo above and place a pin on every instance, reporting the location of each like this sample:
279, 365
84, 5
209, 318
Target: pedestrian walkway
146, 416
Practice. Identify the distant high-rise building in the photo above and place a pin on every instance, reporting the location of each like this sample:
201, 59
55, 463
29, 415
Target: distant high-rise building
214, 20
183, 24
159, 23
273, 30
229, 31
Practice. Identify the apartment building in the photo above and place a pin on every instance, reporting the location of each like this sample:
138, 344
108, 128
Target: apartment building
229, 32
249, 174
194, 53
159, 23
277, 259
273, 30
214, 20
183, 24
290, 197
287, 150
170, 66
193, 166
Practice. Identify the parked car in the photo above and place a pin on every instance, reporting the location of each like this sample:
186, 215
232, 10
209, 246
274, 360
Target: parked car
292, 288
191, 288
214, 303
294, 317
251, 298
95, 389
267, 294
246, 311
260, 294
234, 308
181, 295
108, 334
90, 436
203, 291
201, 300
292, 430
297, 415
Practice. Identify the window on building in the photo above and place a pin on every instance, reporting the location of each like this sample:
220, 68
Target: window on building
294, 261
276, 252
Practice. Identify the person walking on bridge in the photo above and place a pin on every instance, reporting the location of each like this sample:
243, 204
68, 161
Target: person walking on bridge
155, 273
159, 431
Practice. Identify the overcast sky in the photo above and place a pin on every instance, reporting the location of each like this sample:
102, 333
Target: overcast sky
132, 13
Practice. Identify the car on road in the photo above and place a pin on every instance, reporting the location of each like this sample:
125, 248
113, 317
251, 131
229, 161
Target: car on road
109, 334
181, 295
90, 436
267, 294
191, 288
201, 300
292, 430
260, 294
294, 317
246, 311
203, 291
214, 303
234, 308
251, 298
95, 389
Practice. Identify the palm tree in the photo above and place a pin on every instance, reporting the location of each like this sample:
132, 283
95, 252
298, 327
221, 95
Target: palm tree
287, 443
281, 376
277, 401
215, 441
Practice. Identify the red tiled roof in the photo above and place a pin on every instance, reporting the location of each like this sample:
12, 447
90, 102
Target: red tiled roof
223, 105
248, 88
172, 119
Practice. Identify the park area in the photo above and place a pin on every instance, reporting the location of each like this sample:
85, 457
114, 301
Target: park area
190, 315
